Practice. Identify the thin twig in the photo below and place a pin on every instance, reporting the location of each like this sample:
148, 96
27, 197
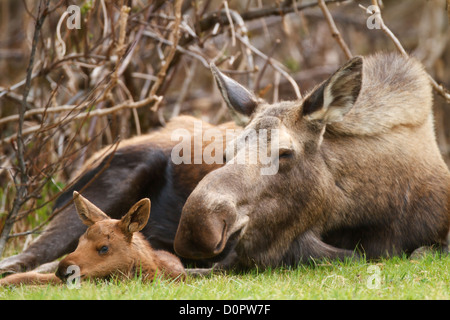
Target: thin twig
263, 69
334, 30
99, 112
58, 210
275, 64
184, 88
176, 37
105, 18
236, 17
179, 48
386, 30
38, 111
233, 33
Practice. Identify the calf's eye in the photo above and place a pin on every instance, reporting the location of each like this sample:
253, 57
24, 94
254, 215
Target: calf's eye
103, 250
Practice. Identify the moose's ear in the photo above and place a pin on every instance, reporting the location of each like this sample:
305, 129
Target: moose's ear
137, 217
88, 212
236, 96
332, 100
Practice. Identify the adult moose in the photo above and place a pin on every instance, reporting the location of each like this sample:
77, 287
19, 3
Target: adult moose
359, 168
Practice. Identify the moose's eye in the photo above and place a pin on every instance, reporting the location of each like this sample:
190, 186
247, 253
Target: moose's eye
285, 153
103, 250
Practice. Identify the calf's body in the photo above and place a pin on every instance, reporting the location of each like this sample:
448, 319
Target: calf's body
108, 248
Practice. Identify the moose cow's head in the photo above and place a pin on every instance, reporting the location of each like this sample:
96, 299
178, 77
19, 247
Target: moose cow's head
237, 206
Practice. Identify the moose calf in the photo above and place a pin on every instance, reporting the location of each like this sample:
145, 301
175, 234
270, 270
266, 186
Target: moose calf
109, 247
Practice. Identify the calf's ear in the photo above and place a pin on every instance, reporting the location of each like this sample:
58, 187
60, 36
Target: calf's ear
335, 97
239, 100
88, 212
137, 217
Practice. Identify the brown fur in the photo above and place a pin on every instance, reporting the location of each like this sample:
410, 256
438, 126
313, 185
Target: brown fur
360, 170
160, 139
128, 255
30, 278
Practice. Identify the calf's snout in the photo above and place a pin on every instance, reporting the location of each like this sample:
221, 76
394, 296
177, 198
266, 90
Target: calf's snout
66, 268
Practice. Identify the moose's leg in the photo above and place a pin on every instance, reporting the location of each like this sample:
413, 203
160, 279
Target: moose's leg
49, 267
31, 277
223, 266
129, 177
309, 246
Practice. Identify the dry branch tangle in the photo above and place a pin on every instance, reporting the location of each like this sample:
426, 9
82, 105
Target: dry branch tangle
440, 89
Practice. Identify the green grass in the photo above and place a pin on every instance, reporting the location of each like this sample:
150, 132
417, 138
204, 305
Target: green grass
400, 278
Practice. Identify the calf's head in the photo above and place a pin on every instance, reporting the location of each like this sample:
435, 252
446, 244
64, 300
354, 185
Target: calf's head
238, 206
106, 247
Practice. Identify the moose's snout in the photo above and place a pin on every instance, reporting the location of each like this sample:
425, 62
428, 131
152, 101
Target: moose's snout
196, 240
204, 228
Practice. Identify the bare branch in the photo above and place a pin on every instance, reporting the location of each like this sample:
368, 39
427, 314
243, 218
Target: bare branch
211, 19
275, 64
22, 179
334, 30
176, 36
37, 111
227, 12
440, 89
99, 112
58, 210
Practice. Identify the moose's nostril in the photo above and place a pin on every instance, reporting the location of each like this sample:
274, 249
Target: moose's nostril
223, 241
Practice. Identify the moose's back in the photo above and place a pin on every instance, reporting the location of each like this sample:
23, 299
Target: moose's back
391, 178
